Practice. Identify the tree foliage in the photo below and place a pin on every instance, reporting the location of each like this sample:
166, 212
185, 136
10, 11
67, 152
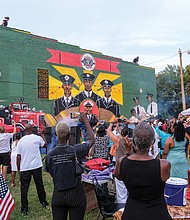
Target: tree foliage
169, 91
187, 82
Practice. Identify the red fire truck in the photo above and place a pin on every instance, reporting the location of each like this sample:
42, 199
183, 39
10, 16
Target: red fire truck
21, 113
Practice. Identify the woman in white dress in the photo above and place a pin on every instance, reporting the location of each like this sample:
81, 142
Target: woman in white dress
13, 158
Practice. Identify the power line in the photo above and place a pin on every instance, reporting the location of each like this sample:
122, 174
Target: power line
161, 60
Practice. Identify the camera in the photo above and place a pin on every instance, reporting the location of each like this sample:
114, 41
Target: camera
121, 120
75, 115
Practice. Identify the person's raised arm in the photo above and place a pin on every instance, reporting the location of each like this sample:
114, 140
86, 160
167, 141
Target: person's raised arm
90, 134
14, 129
114, 138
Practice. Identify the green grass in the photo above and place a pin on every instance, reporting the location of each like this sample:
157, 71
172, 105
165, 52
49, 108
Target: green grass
36, 212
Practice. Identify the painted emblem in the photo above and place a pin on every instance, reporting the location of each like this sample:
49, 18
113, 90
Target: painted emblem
66, 78
106, 82
88, 102
88, 62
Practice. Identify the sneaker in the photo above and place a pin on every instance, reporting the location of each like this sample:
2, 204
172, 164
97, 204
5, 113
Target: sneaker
24, 212
44, 204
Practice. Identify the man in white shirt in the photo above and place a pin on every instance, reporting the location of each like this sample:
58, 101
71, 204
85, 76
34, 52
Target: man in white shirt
5, 148
152, 109
140, 111
29, 163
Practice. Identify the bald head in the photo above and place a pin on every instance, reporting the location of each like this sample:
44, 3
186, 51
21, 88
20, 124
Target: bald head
62, 131
28, 128
2, 129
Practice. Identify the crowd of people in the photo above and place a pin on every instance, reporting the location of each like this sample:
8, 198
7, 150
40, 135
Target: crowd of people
145, 151
131, 151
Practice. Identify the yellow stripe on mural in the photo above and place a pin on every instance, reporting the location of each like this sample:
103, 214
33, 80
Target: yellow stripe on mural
55, 85
55, 88
117, 91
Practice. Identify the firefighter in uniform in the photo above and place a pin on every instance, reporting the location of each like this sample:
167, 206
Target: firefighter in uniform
140, 111
67, 101
87, 92
152, 109
88, 111
107, 102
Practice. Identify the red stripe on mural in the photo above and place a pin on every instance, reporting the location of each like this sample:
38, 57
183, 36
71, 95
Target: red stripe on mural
55, 56
106, 65
72, 59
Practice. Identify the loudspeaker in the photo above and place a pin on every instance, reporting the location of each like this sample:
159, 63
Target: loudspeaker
48, 134
47, 130
74, 135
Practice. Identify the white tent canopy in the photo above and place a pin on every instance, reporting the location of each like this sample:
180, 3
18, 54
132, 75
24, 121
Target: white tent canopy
186, 112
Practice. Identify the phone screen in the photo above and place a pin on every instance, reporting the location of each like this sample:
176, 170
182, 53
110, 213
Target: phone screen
74, 115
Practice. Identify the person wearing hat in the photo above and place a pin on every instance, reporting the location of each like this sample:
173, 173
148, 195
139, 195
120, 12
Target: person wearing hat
93, 120
152, 109
107, 102
66, 101
88, 110
87, 92
140, 111
5, 21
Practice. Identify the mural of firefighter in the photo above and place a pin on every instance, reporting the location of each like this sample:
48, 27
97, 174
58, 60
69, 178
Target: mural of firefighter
107, 107
67, 100
71, 90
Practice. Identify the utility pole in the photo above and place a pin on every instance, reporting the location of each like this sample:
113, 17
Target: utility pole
182, 81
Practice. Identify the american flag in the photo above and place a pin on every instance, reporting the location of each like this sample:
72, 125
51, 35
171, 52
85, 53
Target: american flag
7, 203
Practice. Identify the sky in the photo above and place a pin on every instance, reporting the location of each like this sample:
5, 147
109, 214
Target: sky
153, 30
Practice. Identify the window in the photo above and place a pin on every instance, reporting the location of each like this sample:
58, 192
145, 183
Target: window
25, 106
16, 106
43, 84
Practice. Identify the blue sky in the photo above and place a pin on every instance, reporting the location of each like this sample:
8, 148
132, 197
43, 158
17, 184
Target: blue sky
153, 30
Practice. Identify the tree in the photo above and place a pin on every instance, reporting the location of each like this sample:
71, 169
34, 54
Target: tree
169, 91
187, 80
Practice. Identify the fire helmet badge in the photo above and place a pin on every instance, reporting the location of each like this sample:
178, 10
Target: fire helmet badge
88, 62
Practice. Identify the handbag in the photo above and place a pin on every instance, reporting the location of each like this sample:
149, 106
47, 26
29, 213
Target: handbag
79, 168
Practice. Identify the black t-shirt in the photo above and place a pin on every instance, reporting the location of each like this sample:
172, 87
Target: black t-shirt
60, 163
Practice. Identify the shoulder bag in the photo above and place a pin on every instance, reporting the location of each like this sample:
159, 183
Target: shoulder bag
79, 169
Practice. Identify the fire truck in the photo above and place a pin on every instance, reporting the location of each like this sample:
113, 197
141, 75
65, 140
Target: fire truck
21, 114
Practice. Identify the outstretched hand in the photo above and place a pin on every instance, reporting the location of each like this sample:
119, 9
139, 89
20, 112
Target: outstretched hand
83, 117
128, 143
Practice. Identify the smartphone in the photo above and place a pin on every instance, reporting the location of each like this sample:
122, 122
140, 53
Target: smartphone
74, 115
101, 122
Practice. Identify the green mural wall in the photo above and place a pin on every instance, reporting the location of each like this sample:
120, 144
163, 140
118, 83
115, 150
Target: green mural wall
23, 54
